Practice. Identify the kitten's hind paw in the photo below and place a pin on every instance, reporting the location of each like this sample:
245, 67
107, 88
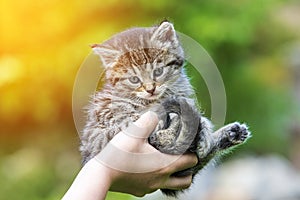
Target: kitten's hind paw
232, 135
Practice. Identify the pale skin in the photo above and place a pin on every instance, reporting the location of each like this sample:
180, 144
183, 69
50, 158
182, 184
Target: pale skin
102, 173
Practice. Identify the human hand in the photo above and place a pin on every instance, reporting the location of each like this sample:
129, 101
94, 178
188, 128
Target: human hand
136, 167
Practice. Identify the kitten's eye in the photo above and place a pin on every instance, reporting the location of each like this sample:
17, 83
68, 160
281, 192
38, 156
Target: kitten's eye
158, 71
134, 79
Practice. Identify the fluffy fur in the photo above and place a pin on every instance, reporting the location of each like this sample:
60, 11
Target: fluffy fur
144, 71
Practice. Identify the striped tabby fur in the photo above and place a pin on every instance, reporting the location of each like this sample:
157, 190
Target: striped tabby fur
144, 71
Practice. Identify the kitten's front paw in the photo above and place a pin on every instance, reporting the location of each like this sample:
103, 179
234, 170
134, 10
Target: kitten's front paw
234, 134
238, 133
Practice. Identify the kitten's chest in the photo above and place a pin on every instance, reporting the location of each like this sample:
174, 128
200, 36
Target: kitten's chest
117, 113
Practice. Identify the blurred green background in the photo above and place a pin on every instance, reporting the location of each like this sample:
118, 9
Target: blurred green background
255, 44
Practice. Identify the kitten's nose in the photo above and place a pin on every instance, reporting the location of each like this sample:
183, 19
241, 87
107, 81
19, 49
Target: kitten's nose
150, 88
151, 91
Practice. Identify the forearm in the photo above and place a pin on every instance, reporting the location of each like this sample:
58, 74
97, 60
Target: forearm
92, 183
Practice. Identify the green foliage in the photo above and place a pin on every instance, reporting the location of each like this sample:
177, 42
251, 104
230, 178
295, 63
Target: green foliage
119, 196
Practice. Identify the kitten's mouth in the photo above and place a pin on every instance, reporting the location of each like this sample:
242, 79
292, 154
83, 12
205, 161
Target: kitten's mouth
149, 96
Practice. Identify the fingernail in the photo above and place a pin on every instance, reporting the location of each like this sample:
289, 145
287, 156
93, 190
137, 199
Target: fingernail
147, 118
151, 115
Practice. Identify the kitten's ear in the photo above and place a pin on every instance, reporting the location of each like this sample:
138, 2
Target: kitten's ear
108, 56
165, 34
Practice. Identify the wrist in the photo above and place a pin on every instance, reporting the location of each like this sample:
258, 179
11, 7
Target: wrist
91, 183
103, 169
102, 177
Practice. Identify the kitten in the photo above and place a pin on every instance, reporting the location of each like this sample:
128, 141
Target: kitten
144, 71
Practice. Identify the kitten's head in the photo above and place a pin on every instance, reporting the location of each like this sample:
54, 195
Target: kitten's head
142, 62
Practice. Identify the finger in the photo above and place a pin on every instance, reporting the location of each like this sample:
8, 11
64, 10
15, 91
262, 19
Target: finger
143, 127
149, 117
178, 183
183, 162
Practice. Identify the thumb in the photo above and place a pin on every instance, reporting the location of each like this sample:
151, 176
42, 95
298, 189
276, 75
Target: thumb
143, 127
